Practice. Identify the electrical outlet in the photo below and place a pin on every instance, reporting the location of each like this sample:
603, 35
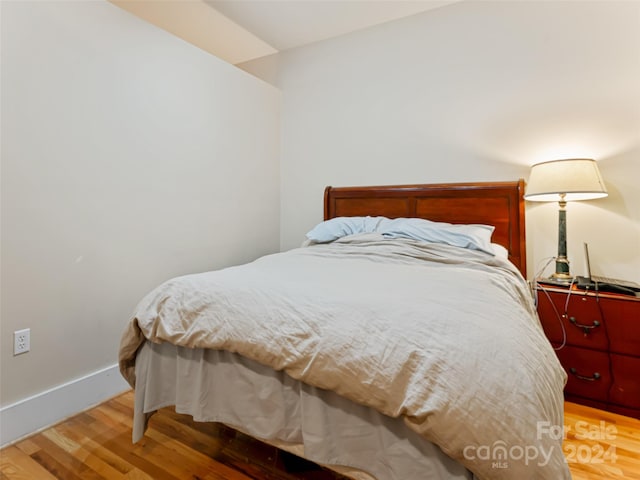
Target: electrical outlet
21, 341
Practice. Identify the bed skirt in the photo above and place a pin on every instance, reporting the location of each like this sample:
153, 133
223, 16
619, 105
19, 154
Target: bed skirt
319, 425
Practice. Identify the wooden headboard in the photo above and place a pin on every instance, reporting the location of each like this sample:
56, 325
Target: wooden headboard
491, 203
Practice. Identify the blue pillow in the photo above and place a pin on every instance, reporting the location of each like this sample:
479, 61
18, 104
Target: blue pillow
339, 227
475, 237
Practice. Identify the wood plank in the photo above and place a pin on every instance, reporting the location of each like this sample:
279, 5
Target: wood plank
82, 449
140, 456
59, 462
28, 447
16, 465
93, 445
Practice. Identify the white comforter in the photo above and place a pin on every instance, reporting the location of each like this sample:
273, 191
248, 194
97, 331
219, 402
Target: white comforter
446, 338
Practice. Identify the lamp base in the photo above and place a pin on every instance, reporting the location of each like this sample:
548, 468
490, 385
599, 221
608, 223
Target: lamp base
562, 277
554, 281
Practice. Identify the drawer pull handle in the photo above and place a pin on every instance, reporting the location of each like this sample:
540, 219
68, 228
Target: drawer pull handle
596, 375
585, 328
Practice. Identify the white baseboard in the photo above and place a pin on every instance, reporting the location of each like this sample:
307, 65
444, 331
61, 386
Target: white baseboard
40, 411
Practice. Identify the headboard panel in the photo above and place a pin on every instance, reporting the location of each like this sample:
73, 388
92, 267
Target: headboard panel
491, 203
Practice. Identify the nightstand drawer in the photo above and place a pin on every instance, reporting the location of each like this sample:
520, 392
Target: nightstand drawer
625, 390
579, 315
623, 325
588, 372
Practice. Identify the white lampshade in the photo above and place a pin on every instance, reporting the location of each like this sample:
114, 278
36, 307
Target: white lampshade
573, 179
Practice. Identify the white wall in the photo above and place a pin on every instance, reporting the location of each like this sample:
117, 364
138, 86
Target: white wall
128, 157
473, 91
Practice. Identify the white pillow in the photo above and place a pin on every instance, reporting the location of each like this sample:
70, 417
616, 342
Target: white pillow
500, 251
338, 227
476, 237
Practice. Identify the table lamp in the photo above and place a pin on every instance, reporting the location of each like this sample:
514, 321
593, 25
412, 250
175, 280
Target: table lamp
563, 181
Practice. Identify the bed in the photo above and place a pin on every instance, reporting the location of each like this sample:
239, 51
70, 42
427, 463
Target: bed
397, 348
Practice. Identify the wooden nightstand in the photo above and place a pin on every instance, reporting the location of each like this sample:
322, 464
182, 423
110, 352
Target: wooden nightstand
597, 339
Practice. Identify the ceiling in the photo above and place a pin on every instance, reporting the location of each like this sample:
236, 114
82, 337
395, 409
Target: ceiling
241, 30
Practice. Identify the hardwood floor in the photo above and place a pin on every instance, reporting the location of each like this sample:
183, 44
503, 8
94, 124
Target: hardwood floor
600, 444
96, 444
